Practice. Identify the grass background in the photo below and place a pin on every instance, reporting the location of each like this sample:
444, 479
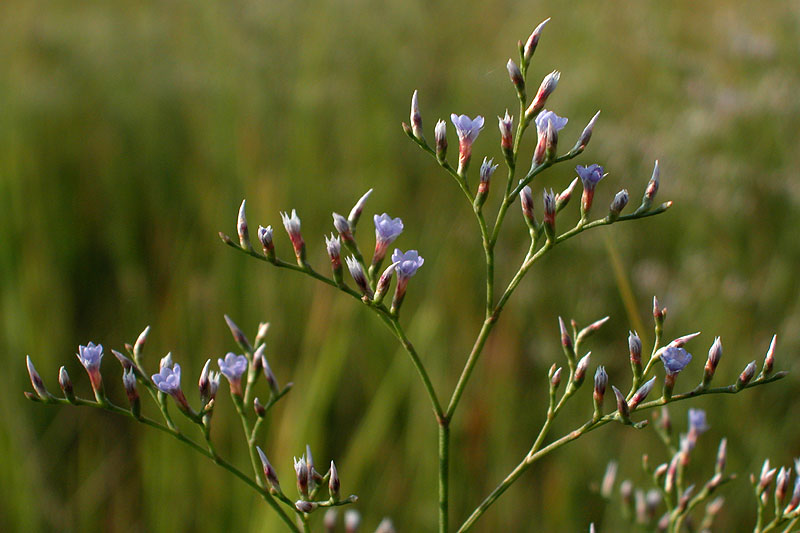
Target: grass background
130, 132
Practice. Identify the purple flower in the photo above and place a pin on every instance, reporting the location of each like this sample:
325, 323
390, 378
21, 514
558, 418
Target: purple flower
467, 128
90, 356
697, 421
387, 229
407, 263
675, 359
548, 116
232, 367
548, 124
168, 380
590, 175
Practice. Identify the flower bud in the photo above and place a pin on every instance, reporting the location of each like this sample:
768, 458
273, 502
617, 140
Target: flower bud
334, 247
672, 472
238, 335
555, 379
516, 78
769, 360
591, 329
782, 485
334, 484
650, 191
487, 169
600, 382
416, 118
259, 408
766, 477
138, 346
722, 456
506, 136
563, 197
292, 226
386, 526
659, 313
329, 521
269, 472
204, 384
304, 506
580, 369
618, 204
382, 288
241, 228
66, 384
265, 237
549, 84
440, 132
746, 375
622, 405
355, 213
301, 471
129, 382
357, 271
583, 140
566, 341
607, 486
635, 349
642, 393
352, 521
36, 381
714, 354
532, 42
526, 201
549, 199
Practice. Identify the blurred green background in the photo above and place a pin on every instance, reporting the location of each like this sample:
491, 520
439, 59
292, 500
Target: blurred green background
131, 130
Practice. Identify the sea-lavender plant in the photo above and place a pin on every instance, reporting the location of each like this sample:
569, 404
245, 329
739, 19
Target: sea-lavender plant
243, 371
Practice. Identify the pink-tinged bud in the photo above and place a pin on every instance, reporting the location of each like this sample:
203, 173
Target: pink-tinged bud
259, 408
747, 375
261, 334
357, 271
66, 384
272, 381
138, 346
238, 335
563, 197
622, 405
683, 501
650, 191
722, 456
635, 349
549, 199
36, 380
343, 227
641, 394
355, 212
660, 472
681, 341
301, 471
506, 124
672, 472
334, 485
618, 204
769, 360
386, 526
566, 341
586, 135
265, 238
555, 379
416, 118
334, 247
659, 313
795, 501
714, 355
305, 507
782, 485
641, 507
766, 477
123, 360
516, 78
600, 382
129, 382
580, 369
204, 383
352, 521
549, 84
440, 133
382, 288
241, 228
532, 42
329, 521
487, 169
226, 239
610, 476
269, 472
526, 201
292, 226
591, 329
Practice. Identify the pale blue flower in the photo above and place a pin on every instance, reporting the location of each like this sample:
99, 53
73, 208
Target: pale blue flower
467, 128
387, 229
168, 379
697, 421
407, 263
233, 366
548, 116
590, 175
90, 356
675, 359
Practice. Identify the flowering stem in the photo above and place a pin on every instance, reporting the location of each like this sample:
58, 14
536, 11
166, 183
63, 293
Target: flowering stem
535, 453
174, 432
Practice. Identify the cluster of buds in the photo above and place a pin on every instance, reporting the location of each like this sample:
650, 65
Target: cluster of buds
786, 498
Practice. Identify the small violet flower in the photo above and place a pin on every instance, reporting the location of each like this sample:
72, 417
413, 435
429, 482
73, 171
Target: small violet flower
675, 359
589, 177
697, 421
168, 379
467, 130
548, 124
407, 265
233, 367
387, 229
90, 357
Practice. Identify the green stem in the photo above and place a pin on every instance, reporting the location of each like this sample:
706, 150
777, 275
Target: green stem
444, 484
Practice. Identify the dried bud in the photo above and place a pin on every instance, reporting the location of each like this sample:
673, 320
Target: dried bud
241, 228
660, 472
563, 197
66, 384
714, 354
238, 335
265, 237
440, 132
416, 118
334, 485
516, 78
355, 213
618, 204
269, 472
769, 360
795, 501
642, 393
532, 42
526, 201
747, 375
583, 140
